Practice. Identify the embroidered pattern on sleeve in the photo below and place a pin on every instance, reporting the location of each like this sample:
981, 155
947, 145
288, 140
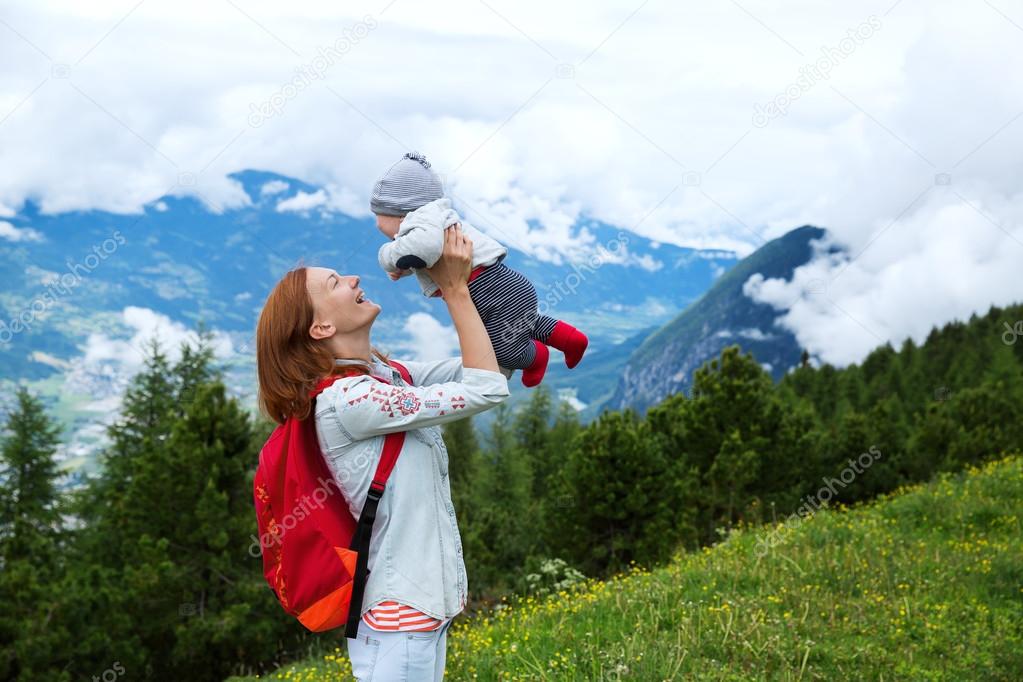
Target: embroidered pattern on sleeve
407, 402
396, 401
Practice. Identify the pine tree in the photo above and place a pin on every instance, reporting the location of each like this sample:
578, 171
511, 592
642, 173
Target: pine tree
564, 430
553, 500
463, 461
30, 538
505, 510
532, 436
28, 500
624, 505
736, 414
735, 469
465, 474
163, 567
222, 609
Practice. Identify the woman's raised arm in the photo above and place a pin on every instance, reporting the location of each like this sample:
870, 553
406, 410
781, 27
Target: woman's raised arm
365, 407
451, 273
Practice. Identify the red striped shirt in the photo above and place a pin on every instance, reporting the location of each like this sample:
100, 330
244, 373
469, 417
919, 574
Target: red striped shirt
390, 616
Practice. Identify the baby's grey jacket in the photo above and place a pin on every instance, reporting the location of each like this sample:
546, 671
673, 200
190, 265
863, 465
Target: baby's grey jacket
421, 234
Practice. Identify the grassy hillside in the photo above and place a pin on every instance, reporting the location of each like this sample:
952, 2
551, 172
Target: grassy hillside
923, 584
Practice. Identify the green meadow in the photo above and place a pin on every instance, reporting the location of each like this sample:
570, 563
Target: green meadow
925, 583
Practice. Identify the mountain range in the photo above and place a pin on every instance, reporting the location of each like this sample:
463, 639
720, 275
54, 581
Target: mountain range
82, 291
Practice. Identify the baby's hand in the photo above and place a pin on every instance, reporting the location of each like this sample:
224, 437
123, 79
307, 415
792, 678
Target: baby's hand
395, 276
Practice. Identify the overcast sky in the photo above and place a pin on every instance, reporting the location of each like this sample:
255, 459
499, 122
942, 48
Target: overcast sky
896, 125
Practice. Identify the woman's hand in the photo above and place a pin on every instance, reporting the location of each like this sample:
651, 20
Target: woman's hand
451, 271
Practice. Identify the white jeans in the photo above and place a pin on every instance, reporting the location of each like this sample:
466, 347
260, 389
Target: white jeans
398, 656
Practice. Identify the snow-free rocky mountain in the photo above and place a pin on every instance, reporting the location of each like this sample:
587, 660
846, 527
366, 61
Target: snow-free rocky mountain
664, 362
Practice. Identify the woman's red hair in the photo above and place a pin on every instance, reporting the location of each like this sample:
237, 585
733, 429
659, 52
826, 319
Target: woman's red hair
289, 362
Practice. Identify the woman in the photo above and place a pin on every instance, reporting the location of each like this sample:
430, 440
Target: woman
317, 323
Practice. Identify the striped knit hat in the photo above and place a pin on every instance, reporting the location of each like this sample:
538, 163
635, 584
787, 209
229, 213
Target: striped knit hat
406, 186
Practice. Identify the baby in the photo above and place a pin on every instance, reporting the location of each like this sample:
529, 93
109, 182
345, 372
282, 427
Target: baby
413, 212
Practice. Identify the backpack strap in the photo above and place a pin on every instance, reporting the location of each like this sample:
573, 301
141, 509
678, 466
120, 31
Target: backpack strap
389, 459
402, 370
393, 443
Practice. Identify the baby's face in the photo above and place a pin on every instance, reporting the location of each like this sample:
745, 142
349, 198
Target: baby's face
388, 224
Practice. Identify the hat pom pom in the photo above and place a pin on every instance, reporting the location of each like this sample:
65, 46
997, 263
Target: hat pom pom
416, 156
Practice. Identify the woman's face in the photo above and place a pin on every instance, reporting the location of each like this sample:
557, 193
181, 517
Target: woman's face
339, 304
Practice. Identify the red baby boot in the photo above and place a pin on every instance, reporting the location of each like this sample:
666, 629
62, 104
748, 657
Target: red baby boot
533, 375
569, 341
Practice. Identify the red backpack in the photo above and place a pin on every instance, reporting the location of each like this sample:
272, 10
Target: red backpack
314, 553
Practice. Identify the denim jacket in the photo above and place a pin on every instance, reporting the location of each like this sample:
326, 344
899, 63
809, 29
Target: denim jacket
415, 554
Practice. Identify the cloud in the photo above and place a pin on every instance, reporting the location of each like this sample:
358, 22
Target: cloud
18, 234
144, 324
109, 359
648, 262
273, 187
949, 259
538, 117
429, 339
346, 201
339, 199
303, 202
40, 276
751, 333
